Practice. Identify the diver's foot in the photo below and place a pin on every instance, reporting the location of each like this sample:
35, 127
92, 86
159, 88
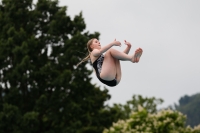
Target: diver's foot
134, 58
139, 54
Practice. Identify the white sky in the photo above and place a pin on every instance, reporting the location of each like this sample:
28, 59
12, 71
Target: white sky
167, 30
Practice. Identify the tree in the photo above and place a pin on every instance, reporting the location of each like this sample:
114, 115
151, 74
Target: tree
40, 89
123, 112
189, 105
165, 121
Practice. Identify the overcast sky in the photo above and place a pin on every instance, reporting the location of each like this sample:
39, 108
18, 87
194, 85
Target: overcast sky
167, 30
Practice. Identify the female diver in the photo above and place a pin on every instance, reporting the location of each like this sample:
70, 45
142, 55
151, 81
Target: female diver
107, 67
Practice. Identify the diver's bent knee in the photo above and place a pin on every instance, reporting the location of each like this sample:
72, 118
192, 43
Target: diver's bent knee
108, 52
111, 50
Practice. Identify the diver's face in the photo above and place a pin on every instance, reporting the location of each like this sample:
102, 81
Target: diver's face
95, 44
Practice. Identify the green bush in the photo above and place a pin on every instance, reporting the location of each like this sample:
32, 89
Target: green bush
164, 121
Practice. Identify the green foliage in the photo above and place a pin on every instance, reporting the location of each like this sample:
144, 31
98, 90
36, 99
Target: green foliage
40, 89
189, 105
124, 111
165, 121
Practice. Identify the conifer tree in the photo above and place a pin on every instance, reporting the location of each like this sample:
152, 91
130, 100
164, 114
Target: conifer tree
40, 89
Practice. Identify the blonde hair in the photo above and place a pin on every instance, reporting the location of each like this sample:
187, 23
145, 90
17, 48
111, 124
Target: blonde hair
89, 51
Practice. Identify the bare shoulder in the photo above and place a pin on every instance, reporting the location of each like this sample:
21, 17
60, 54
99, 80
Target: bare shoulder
96, 52
94, 55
